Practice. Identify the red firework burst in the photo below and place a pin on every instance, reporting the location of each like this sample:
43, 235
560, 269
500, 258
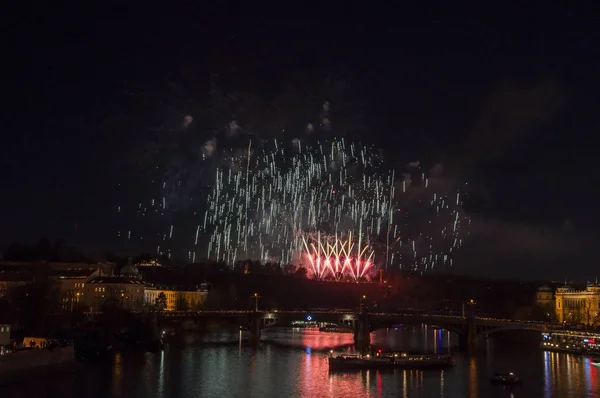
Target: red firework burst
338, 257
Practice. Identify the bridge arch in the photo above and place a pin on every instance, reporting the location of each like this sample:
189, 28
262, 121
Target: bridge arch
491, 330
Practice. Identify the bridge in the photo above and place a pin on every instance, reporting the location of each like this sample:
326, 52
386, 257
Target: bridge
469, 328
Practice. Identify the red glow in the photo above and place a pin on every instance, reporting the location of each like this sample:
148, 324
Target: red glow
330, 256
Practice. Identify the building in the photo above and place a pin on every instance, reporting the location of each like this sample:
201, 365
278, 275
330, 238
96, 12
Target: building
10, 279
544, 296
50, 267
148, 263
69, 276
4, 334
126, 290
71, 285
578, 305
177, 298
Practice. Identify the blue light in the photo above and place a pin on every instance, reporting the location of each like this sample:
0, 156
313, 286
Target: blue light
309, 318
585, 340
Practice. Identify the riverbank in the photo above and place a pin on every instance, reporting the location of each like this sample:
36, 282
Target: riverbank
25, 365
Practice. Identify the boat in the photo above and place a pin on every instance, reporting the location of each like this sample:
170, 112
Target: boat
507, 378
389, 360
595, 361
334, 329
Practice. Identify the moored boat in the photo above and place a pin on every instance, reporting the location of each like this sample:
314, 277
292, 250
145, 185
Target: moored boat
508, 378
389, 361
334, 329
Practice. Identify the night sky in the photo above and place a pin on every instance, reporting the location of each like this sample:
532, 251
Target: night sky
505, 98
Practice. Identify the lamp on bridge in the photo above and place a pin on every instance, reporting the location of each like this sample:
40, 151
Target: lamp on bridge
363, 301
255, 297
470, 308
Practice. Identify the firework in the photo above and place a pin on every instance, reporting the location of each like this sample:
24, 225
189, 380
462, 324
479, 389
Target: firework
263, 205
338, 257
276, 205
332, 207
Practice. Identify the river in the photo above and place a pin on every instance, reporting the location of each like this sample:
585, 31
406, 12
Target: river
294, 364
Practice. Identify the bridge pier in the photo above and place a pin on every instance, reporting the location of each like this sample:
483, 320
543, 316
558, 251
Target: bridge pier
468, 339
362, 333
255, 327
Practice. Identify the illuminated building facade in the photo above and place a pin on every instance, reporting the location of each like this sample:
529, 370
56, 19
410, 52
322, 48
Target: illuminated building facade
578, 306
70, 277
71, 285
4, 334
149, 263
11, 279
544, 296
185, 299
125, 290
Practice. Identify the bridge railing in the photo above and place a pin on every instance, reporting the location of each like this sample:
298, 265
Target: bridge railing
343, 312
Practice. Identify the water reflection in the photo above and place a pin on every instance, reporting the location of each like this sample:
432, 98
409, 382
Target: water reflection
161, 374
473, 377
310, 340
117, 376
294, 363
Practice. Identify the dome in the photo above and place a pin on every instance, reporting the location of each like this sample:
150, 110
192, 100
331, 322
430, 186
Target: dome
129, 270
544, 289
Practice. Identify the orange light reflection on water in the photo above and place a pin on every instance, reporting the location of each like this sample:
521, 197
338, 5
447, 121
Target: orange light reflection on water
472, 378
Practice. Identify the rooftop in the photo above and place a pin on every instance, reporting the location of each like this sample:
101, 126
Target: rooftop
8, 276
179, 288
76, 274
106, 280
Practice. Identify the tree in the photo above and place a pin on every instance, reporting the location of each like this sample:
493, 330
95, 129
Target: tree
111, 304
197, 305
139, 304
596, 319
161, 302
587, 314
217, 299
35, 306
543, 312
181, 303
301, 273
289, 269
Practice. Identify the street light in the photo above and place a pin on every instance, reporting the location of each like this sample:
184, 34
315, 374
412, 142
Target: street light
256, 296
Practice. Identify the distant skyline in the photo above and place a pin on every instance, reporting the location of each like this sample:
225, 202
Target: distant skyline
504, 99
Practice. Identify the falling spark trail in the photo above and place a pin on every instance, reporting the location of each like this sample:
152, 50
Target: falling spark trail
331, 206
